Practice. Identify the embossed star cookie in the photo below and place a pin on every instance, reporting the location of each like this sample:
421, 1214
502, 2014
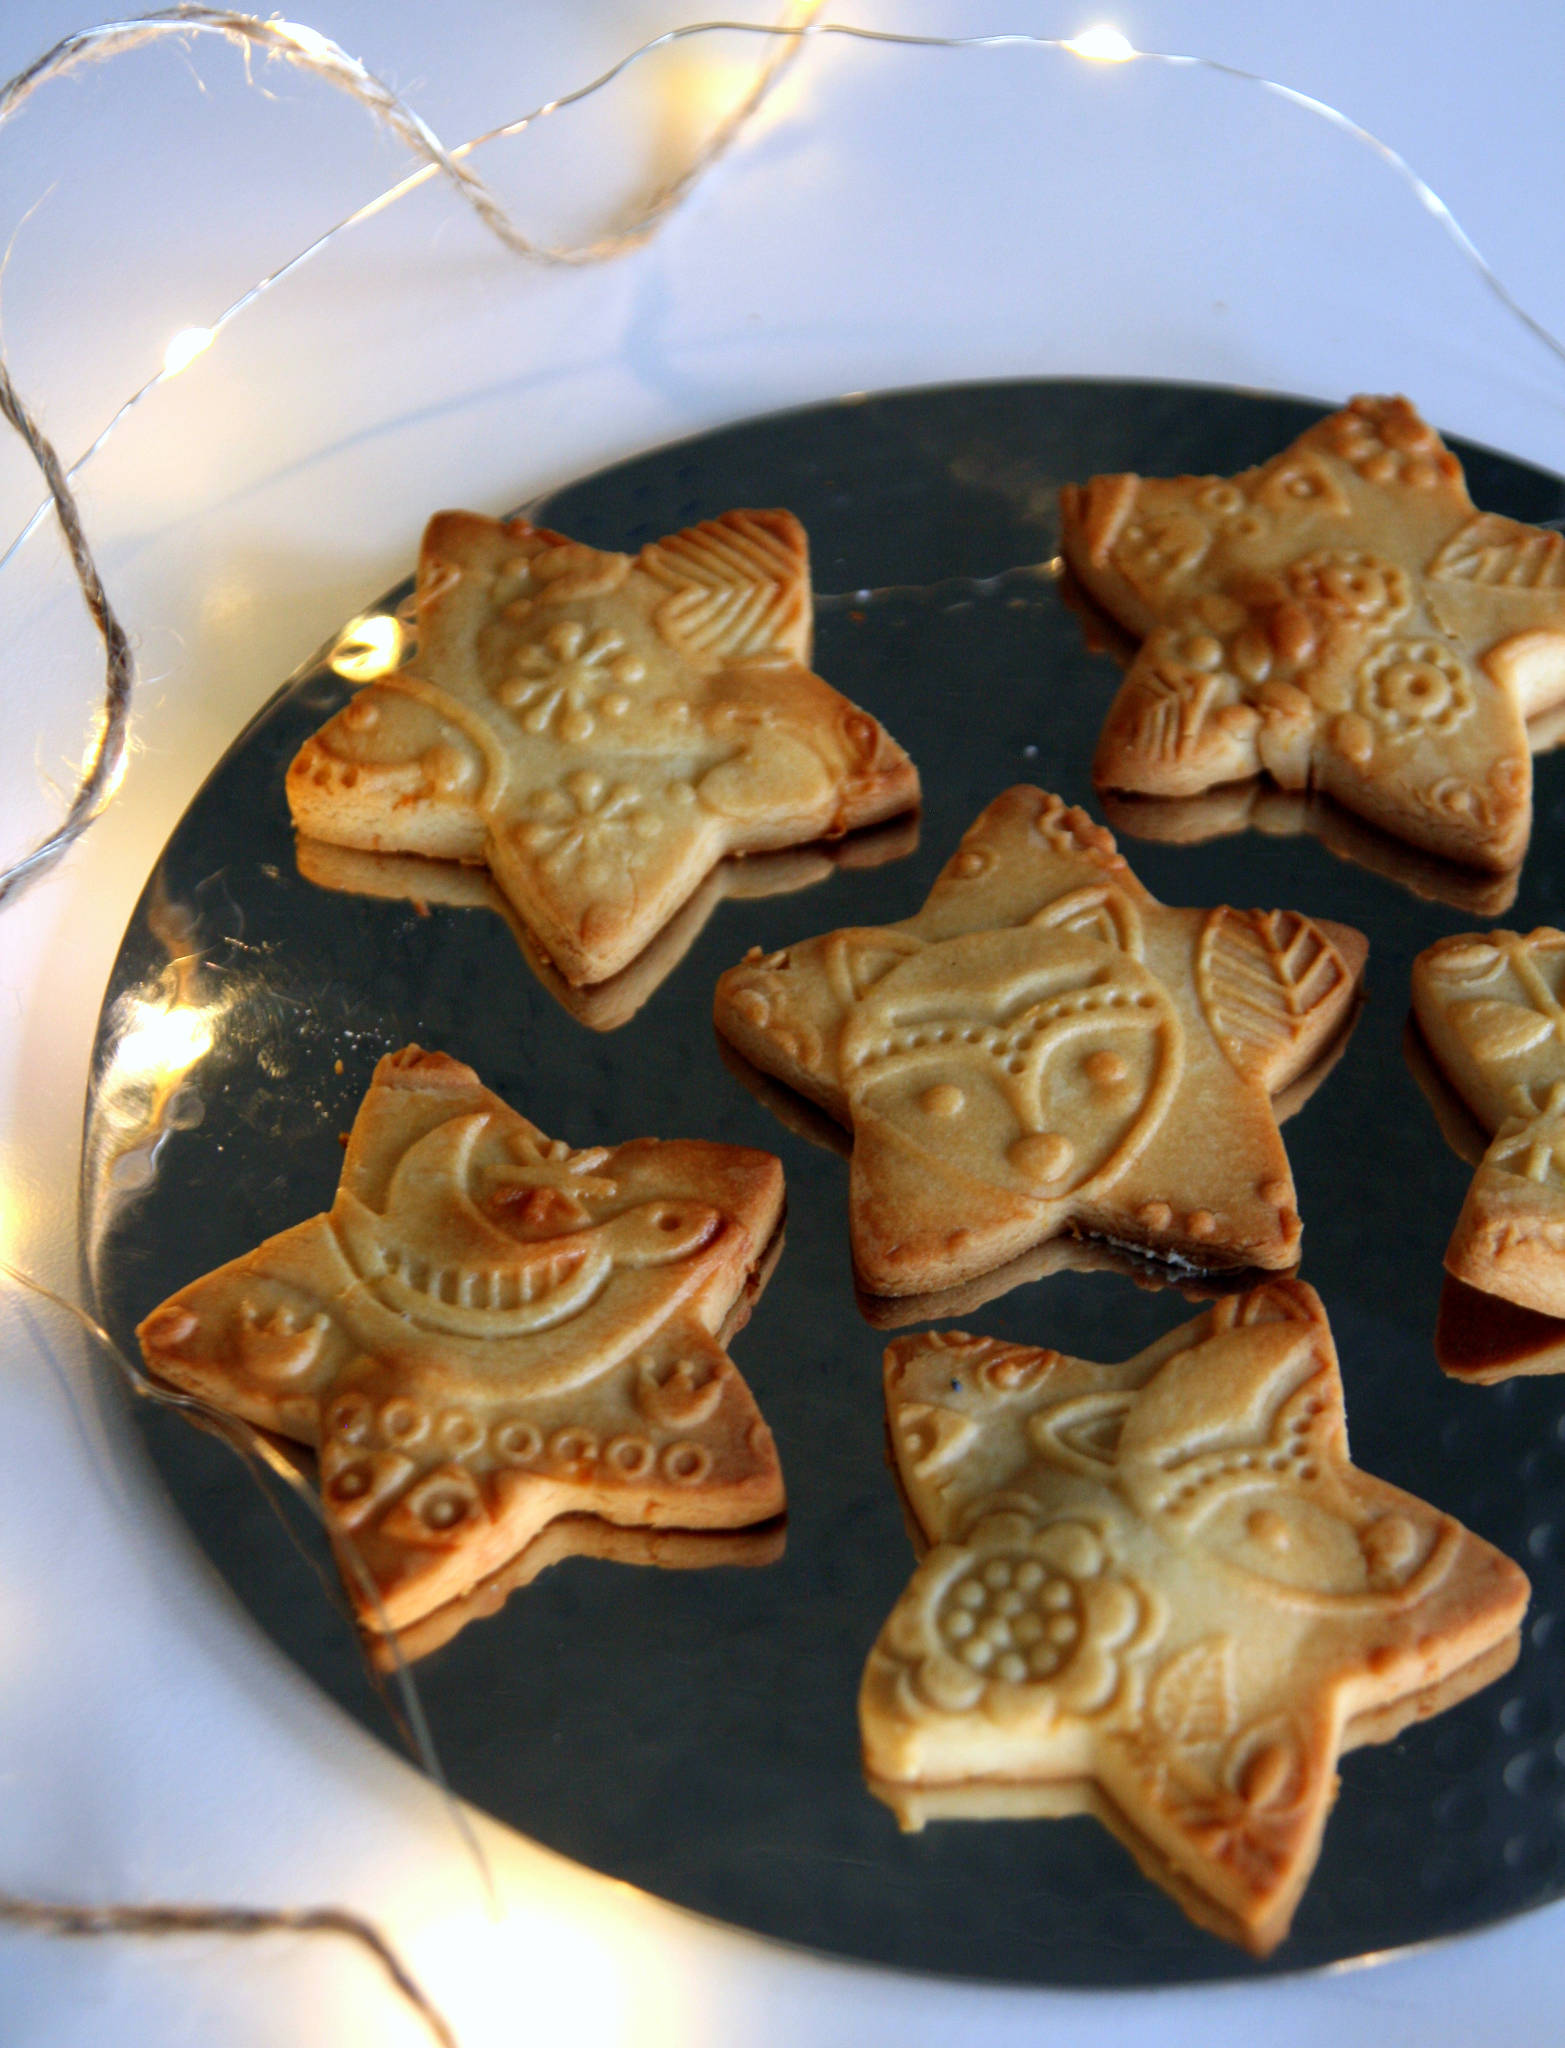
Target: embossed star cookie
1491, 1008
601, 729
488, 1330
1342, 616
1161, 1589
1045, 1047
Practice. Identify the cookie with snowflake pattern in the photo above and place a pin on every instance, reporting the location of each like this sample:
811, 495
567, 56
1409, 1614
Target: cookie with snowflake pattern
601, 729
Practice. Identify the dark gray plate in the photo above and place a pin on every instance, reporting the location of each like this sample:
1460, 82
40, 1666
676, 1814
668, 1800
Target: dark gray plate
694, 1732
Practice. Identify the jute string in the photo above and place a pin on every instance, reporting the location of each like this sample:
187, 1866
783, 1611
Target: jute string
244, 1920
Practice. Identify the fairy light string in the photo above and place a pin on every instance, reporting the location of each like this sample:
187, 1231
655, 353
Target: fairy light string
106, 757
258, 1451
307, 48
313, 52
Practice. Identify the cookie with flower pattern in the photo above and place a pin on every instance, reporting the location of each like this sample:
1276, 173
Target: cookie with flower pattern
1162, 1590
1491, 1008
1344, 617
601, 729
489, 1330
1044, 1047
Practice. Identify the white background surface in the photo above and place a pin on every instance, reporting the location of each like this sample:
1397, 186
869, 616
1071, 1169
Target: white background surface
896, 217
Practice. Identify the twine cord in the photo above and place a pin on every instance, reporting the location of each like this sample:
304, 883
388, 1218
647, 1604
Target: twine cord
311, 51
168, 1920
107, 756
257, 1449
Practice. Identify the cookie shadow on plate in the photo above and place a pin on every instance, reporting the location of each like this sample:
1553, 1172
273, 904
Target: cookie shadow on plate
1261, 806
587, 1536
604, 1005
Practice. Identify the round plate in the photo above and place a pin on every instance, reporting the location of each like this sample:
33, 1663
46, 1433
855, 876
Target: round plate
694, 1731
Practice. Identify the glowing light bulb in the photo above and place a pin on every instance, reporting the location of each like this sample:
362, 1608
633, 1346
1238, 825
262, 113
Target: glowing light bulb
162, 1044
1103, 45
368, 647
182, 351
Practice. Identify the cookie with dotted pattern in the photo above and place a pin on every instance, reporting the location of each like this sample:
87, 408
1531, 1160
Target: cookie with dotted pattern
601, 729
489, 1329
1160, 1591
1045, 1047
1343, 617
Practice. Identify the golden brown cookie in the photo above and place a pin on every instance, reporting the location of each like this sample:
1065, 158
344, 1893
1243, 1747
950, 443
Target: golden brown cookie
488, 1330
601, 729
1044, 1047
1162, 1587
1342, 616
1491, 1008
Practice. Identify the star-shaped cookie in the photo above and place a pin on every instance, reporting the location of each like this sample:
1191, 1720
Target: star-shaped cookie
1165, 1581
1491, 1007
488, 1330
601, 729
1044, 1047
1342, 616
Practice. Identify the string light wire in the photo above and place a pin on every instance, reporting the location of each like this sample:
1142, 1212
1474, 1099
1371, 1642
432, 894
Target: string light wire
309, 49
264, 1457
